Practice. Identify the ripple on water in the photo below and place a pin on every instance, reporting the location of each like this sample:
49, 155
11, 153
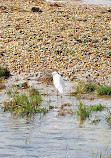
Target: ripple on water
53, 136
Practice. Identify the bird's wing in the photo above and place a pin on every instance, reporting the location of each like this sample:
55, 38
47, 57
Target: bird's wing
59, 83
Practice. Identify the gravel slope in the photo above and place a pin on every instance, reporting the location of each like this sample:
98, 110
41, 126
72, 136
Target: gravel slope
73, 39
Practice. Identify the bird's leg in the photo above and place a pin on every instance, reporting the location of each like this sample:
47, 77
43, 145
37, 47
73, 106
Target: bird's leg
61, 100
57, 94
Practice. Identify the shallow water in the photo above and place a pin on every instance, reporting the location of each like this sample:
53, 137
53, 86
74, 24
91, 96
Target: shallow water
101, 2
97, 2
51, 135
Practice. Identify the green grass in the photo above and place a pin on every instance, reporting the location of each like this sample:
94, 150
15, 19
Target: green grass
80, 89
84, 112
88, 87
108, 117
103, 90
25, 105
96, 108
101, 155
83, 87
2, 86
4, 72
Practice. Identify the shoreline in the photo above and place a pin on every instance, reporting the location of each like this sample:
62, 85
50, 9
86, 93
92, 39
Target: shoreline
84, 2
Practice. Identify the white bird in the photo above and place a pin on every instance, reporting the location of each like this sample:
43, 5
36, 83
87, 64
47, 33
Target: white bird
58, 82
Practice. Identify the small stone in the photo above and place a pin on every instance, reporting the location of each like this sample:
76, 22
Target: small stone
95, 41
2, 53
36, 9
79, 40
84, 20
109, 10
105, 39
59, 52
25, 85
55, 5
3, 7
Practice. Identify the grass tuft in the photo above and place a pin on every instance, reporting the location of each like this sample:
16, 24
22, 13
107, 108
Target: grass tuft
96, 108
80, 88
104, 90
83, 87
108, 118
4, 72
34, 92
90, 87
2, 86
84, 112
25, 105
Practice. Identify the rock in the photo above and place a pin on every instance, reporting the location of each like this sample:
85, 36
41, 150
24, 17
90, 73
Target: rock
109, 10
59, 52
3, 9
36, 9
105, 39
2, 53
55, 5
79, 40
25, 85
7, 74
95, 41
84, 20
